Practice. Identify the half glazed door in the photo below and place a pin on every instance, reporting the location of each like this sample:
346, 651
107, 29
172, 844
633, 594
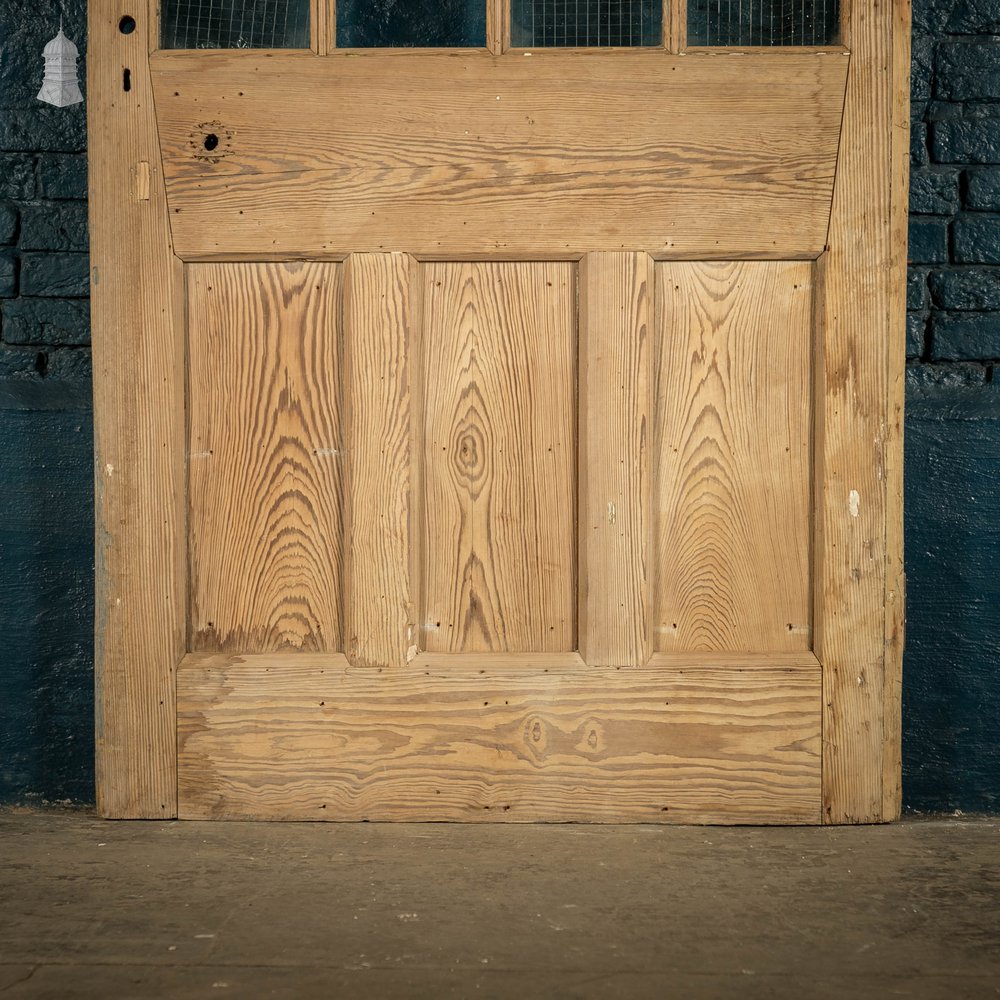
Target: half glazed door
498, 409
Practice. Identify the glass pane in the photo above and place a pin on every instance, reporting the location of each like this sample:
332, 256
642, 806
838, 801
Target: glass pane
763, 22
539, 23
234, 24
411, 24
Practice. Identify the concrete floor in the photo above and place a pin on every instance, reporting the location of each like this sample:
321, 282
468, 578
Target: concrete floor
183, 910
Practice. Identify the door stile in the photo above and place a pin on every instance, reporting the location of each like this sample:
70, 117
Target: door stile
615, 396
382, 527
138, 348
895, 584
860, 439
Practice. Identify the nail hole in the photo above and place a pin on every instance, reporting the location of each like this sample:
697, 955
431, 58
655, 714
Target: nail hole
127, 80
211, 141
126, 25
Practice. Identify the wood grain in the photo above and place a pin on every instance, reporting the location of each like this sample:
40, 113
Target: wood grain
499, 457
895, 579
498, 26
381, 360
858, 432
615, 501
675, 17
527, 157
137, 308
732, 443
306, 737
265, 456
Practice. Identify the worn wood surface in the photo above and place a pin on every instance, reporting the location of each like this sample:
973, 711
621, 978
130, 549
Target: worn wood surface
732, 444
300, 736
616, 519
468, 154
137, 308
895, 577
858, 433
264, 478
499, 457
381, 359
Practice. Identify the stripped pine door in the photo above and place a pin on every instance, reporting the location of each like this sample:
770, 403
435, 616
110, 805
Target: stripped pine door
498, 433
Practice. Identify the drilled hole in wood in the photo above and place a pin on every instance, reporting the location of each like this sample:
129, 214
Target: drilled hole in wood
127, 80
126, 25
211, 141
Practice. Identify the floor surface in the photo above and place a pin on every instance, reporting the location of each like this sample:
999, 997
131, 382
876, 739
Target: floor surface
183, 910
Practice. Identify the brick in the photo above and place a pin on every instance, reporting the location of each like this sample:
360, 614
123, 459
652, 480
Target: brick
62, 176
921, 67
970, 17
918, 145
977, 238
58, 129
965, 336
983, 189
967, 141
928, 240
8, 274
915, 324
931, 16
924, 377
934, 191
968, 71
54, 226
67, 363
17, 176
55, 274
45, 321
968, 288
916, 288
944, 111
8, 223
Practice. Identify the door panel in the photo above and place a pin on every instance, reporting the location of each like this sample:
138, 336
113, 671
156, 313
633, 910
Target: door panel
264, 471
306, 737
732, 435
547, 156
500, 457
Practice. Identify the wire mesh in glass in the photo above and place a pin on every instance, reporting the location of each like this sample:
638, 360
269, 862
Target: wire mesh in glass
590, 23
763, 22
411, 24
234, 24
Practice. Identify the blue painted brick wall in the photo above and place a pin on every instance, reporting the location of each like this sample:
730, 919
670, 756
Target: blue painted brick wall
951, 688
952, 666
46, 478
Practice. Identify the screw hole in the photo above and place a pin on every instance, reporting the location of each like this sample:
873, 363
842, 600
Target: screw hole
211, 141
127, 80
126, 25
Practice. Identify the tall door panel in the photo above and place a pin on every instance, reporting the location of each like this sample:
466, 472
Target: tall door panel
499, 449
733, 442
265, 482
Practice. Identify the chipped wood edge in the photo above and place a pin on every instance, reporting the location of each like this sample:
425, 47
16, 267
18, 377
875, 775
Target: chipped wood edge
138, 347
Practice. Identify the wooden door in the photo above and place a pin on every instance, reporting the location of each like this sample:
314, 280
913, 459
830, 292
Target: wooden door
505, 426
